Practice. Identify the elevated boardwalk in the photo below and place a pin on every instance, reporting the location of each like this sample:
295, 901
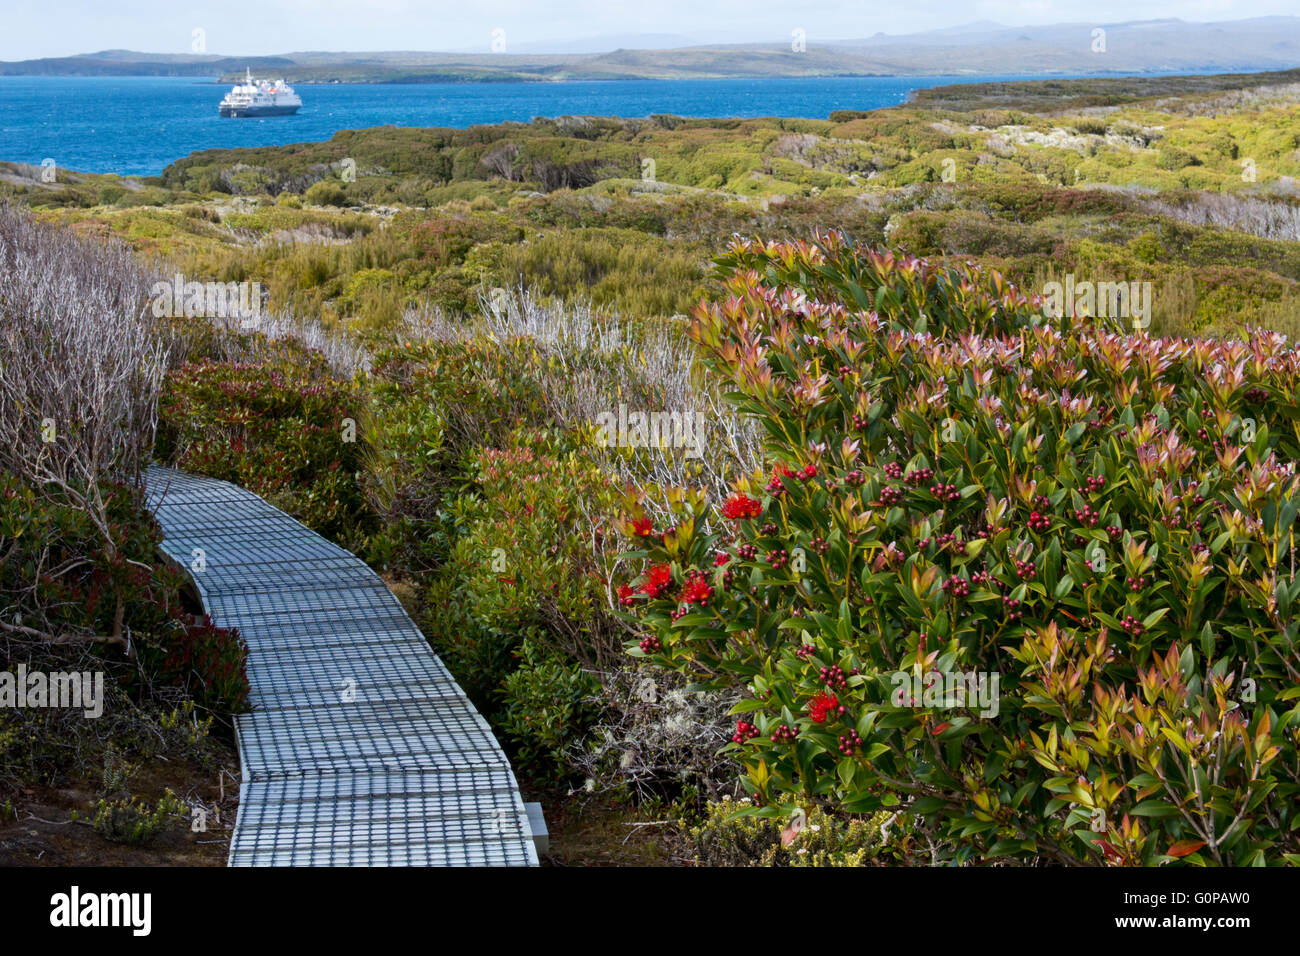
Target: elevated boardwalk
360, 749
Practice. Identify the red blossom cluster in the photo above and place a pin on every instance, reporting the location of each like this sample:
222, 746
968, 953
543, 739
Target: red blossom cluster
740, 506
824, 705
697, 590
656, 580
776, 487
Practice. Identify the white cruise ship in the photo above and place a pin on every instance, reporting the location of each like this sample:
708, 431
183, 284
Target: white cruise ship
260, 98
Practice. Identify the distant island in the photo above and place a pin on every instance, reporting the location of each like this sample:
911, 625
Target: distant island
978, 49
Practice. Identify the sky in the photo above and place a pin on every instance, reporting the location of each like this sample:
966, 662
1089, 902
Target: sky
42, 28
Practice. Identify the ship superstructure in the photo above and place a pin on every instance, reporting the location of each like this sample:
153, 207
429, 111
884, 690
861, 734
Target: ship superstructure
260, 98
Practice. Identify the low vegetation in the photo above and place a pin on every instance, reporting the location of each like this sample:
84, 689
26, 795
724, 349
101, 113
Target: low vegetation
904, 465
82, 587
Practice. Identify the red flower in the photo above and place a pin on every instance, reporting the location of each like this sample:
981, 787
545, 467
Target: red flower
741, 506
776, 486
697, 591
721, 559
821, 706
625, 594
656, 580
641, 526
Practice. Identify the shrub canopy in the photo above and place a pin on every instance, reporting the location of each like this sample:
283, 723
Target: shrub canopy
1031, 580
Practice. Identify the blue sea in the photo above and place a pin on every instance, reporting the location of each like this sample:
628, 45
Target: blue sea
137, 125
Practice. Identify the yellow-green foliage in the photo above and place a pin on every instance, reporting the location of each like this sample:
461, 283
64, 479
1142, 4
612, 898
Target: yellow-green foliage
134, 821
627, 212
730, 835
636, 273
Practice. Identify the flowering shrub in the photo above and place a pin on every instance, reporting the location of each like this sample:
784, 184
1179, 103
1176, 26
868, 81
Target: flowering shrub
1031, 583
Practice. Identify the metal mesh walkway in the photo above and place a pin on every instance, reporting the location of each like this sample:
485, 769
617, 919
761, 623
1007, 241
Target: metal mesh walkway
361, 749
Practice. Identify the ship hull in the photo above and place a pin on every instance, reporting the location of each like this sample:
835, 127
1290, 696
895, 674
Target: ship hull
253, 111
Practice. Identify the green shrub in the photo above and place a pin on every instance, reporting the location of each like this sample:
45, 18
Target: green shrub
169, 645
526, 554
326, 193
284, 427
636, 273
731, 834
1091, 528
133, 821
1146, 247
406, 470
522, 558
549, 703
1172, 158
1095, 127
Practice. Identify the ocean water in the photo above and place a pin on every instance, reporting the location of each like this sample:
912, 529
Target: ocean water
137, 125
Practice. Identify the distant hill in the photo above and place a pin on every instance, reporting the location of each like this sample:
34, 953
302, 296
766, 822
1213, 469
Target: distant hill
130, 63
1135, 46
984, 48
1067, 95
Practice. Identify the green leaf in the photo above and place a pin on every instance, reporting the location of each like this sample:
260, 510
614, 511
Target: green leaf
924, 806
1154, 617
847, 768
1024, 793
